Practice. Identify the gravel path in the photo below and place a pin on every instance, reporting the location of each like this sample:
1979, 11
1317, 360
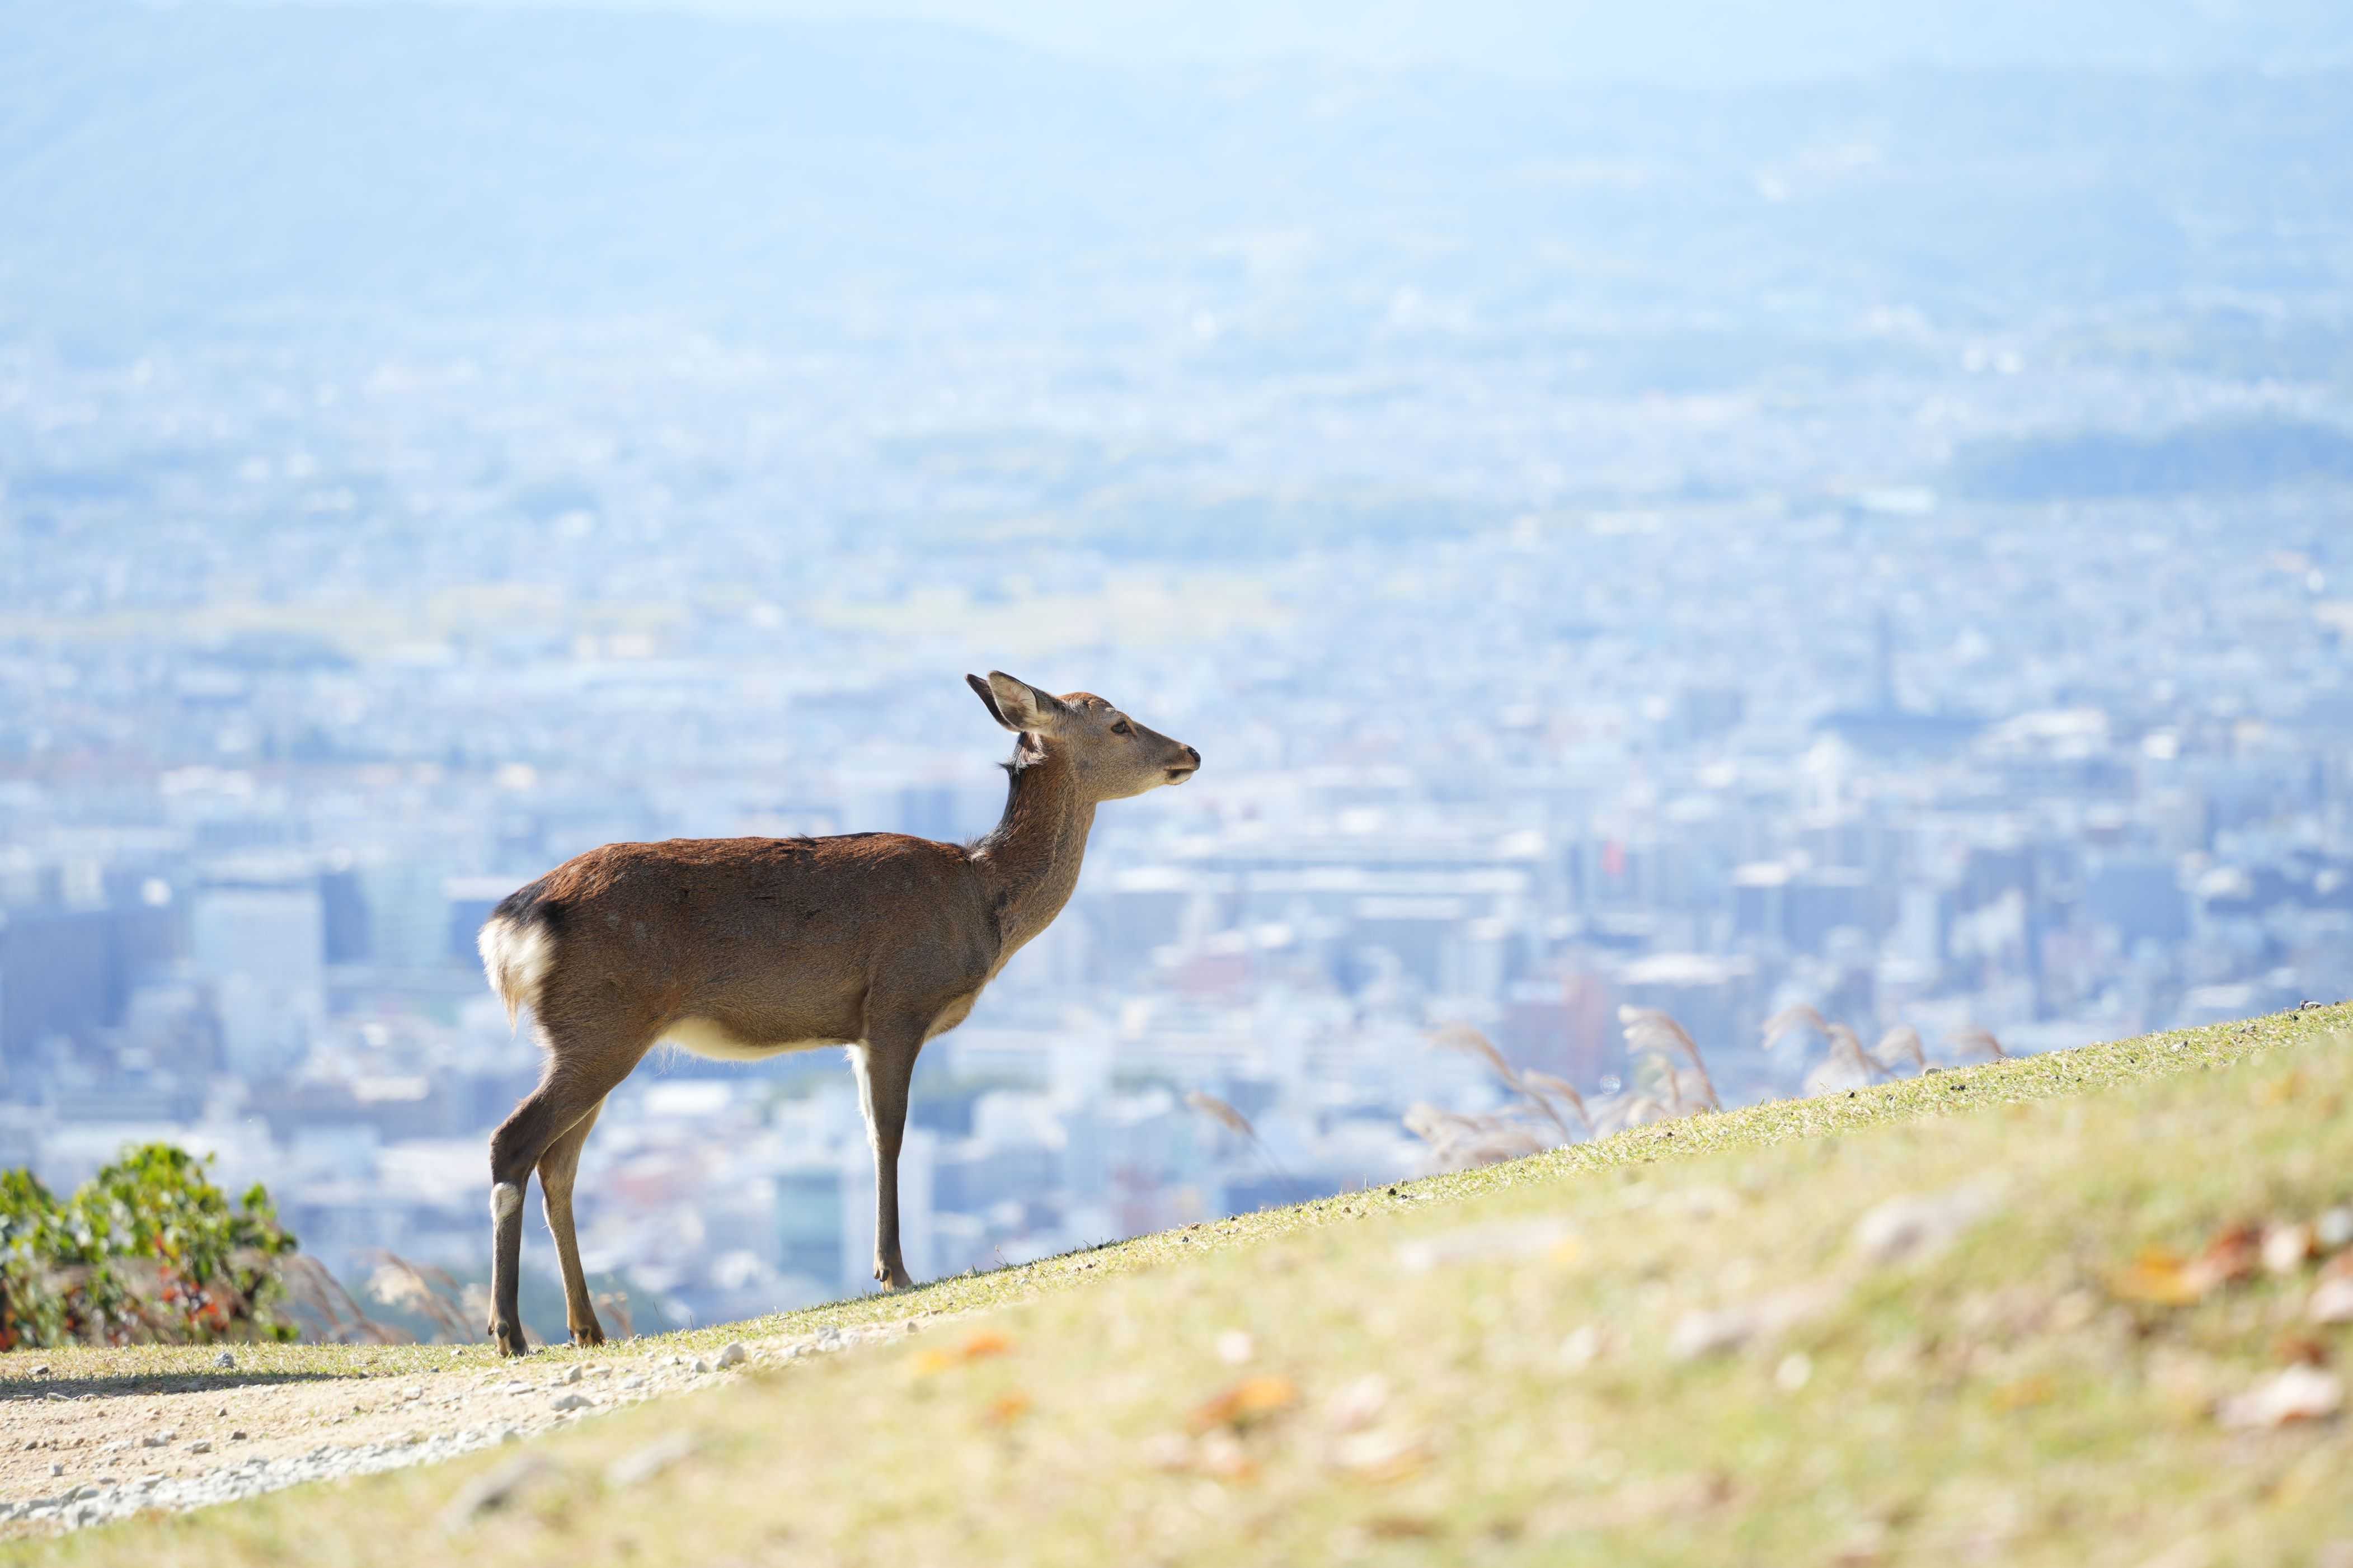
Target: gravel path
72, 1459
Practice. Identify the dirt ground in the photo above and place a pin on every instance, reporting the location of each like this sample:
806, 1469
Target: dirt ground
60, 1433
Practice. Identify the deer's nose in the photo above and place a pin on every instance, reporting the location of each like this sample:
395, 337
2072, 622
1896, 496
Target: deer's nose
1193, 756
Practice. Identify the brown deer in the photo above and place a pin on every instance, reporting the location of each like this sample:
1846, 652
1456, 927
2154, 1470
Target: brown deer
744, 948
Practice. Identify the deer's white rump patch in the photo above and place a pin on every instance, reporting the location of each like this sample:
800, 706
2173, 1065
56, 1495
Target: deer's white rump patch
515, 957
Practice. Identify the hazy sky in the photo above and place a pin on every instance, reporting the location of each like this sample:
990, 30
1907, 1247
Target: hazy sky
1689, 41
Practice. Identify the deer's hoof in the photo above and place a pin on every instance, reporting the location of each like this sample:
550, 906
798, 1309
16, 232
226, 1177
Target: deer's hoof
893, 1278
588, 1333
508, 1337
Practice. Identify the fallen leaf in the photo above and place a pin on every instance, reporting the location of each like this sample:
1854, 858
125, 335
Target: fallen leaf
980, 1343
2291, 1394
2025, 1392
2230, 1255
1250, 1400
2159, 1278
2280, 1090
2163, 1278
1399, 1527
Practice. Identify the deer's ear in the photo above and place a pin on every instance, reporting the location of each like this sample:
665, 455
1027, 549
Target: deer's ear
988, 700
1019, 705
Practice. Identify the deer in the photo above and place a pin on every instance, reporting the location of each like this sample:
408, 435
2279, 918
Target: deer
743, 949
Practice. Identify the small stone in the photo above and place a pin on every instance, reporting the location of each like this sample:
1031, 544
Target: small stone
570, 1374
1168, 1451
238, 1436
413, 1391
201, 1446
492, 1491
563, 1401
643, 1464
222, 1411
733, 1355
1357, 1405
226, 1359
699, 1365
2335, 1228
1709, 1333
56, 1468
2286, 1246
635, 1380
1703, 1334
1919, 1225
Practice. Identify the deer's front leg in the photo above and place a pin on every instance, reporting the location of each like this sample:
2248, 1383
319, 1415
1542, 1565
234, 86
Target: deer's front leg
886, 1064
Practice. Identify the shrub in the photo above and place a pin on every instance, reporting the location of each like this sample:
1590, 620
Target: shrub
147, 1251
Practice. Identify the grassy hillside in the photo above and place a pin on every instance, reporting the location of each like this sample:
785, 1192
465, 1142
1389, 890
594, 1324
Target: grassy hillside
1707, 1342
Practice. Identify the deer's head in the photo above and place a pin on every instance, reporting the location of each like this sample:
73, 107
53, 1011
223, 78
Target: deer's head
1109, 754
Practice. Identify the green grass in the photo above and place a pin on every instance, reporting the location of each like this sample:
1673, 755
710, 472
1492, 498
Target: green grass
1997, 1401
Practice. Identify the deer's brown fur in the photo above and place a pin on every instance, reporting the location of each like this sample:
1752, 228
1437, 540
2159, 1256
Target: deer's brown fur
743, 948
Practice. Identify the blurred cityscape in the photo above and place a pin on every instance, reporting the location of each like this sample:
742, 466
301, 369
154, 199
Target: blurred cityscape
1935, 645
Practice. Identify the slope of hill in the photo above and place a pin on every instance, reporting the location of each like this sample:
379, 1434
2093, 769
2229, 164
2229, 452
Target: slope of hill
2081, 1308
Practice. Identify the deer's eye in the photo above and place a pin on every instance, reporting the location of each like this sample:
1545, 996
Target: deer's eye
1121, 729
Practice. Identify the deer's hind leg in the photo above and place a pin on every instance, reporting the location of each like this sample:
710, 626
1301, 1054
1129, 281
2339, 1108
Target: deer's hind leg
557, 1167
583, 1067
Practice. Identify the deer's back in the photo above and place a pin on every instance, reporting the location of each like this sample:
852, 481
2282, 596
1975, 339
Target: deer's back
747, 946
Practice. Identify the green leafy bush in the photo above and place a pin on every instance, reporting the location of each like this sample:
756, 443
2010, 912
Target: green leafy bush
147, 1251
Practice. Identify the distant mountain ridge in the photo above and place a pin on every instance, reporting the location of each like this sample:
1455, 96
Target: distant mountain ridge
1687, 43
206, 168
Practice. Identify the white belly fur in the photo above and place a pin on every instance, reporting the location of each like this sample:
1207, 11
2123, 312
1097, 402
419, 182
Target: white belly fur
704, 1038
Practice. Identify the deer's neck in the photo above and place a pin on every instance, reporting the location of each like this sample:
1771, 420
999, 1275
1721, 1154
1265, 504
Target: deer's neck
1030, 859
